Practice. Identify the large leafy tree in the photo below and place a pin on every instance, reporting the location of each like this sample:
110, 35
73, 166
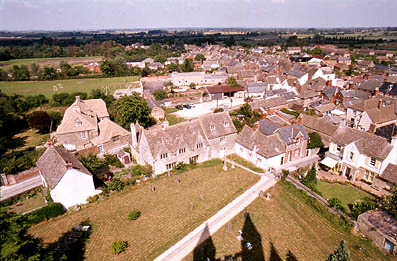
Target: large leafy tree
389, 203
187, 65
131, 109
315, 141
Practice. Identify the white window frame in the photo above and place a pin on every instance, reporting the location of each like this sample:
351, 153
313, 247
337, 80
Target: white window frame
226, 124
100, 149
372, 161
84, 134
351, 155
163, 155
199, 145
116, 138
212, 127
182, 150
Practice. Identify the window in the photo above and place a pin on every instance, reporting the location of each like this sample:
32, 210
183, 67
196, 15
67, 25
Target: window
226, 124
83, 134
116, 138
170, 166
258, 160
222, 139
372, 161
100, 149
296, 153
78, 123
351, 155
338, 148
199, 145
282, 161
163, 155
181, 151
369, 175
212, 127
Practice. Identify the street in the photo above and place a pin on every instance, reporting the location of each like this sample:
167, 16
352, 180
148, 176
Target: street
13, 190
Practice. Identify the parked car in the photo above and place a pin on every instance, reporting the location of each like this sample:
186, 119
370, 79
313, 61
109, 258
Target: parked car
187, 106
179, 107
191, 104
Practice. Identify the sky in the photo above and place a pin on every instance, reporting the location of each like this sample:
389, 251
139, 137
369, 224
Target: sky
124, 14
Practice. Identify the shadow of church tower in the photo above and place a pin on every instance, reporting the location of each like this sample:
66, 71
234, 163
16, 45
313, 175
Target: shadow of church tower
251, 244
205, 251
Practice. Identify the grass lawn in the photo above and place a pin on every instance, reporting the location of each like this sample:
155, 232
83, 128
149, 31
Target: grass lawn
5, 65
288, 224
29, 204
346, 193
166, 214
171, 118
74, 85
245, 163
31, 138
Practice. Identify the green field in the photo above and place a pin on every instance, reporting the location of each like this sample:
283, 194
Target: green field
167, 215
5, 65
287, 225
74, 85
346, 193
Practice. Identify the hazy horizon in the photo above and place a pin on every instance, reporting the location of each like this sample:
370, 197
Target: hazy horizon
72, 15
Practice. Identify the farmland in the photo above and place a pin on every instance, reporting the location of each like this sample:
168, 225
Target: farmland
48, 88
5, 65
167, 214
288, 226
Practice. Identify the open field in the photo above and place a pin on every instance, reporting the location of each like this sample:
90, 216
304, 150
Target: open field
5, 65
29, 204
74, 85
346, 193
166, 213
31, 138
287, 224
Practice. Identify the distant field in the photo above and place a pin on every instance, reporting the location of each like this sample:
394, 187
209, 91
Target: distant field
49, 61
75, 85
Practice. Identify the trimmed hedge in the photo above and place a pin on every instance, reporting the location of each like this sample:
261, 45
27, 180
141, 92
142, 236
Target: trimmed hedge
45, 213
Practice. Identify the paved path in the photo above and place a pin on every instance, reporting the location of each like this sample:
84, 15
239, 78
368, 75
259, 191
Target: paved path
243, 167
189, 242
13, 190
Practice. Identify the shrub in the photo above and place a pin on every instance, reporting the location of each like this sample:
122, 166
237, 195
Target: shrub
285, 174
160, 95
50, 211
315, 141
115, 185
218, 110
181, 166
140, 170
311, 177
119, 246
93, 199
134, 214
113, 161
333, 202
359, 207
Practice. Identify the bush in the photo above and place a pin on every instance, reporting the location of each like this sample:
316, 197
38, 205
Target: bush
134, 214
285, 174
310, 179
359, 207
93, 199
315, 141
113, 161
119, 246
140, 170
218, 110
333, 202
115, 185
50, 211
159, 95
181, 166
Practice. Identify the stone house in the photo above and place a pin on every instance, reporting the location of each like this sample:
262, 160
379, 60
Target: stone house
68, 181
198, 140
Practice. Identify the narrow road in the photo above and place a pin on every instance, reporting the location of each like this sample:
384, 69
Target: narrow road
189, 242
13, 190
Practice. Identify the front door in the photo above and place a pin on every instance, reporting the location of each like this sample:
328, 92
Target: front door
126, 159
347, 173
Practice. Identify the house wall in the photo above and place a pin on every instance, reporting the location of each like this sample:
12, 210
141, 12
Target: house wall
112, 147
74, 188
218, 148
74, 138
256, 159
290, 150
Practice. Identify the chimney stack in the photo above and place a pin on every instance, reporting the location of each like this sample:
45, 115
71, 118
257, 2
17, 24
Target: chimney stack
69, 165
380, 103
77, 98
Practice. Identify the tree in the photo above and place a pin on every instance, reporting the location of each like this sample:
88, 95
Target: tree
92, 162
41, 121
187, 65
107, 68
318, 51
389, 203
49, 73
315, 141
159, 95
173, 67
131, 109
229, 41
232, 82
310, 179
200, 57
341, 253
161, 58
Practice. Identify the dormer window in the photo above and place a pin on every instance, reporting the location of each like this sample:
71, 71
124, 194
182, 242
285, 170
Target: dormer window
181, 151
78, 123
199, 145
212, 127
116, 138
226, 124
163, 155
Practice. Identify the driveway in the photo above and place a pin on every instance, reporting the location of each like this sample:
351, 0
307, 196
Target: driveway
13, 190
209, 227
204, 108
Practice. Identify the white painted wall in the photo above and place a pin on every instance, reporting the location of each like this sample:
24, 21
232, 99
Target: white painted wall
74, 188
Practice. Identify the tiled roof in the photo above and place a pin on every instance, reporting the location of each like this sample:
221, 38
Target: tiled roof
390, 173
108, 130
53, 165
384, 114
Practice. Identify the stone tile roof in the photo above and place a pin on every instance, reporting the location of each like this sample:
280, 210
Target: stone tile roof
390, 173
371, 85
325, 107
269, 103
289, 133
382, 221
320, 125
365, 105
266, 146
384, 114
53, 165
98, 106
267, 127
368, 144
108, 130
223, 89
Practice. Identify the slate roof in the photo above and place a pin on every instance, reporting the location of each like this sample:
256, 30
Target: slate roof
289, 133
382, 221
317, 85
367, 143
223, 89
325, 107
267, 127
269, 103
389, 88
329, 92
266, 146
390, 173
370, 85
296, 73
53, 165
365, 105
256, 87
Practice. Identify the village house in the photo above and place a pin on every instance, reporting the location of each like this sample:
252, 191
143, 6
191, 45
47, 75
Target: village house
197, 78
67, 180
219, 92
195, 141
323, 126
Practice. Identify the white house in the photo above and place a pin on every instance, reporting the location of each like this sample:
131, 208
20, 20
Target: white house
69, 182
198, 78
